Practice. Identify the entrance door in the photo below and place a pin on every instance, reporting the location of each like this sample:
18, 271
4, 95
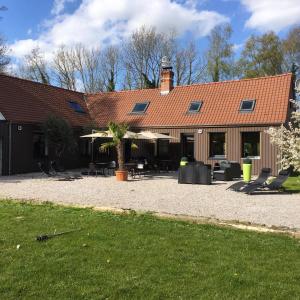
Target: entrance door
187, 144
0, 156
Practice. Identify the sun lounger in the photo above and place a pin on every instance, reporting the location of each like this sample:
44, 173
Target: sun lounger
275, 185
262, 178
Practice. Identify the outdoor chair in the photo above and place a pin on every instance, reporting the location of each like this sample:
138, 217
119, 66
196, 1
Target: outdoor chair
261, 179
195, 173
50, 172
111, 168
139, 170
227, 171
274, 185
92, 171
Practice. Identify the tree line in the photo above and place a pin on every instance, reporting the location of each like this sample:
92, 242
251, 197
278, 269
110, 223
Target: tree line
135, 64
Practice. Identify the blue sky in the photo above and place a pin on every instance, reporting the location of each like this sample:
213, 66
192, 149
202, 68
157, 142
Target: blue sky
50, 23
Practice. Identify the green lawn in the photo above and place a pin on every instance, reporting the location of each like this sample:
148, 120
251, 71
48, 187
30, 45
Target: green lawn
139, 257
292, 184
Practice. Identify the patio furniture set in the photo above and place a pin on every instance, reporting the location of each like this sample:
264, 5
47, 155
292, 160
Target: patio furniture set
135, 167
200, 173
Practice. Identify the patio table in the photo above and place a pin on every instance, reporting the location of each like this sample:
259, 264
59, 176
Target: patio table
165, 164
102, 166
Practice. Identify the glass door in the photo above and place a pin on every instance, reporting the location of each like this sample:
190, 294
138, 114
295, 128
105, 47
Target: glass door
187, 145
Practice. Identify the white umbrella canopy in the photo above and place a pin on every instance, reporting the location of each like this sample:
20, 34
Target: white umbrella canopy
155, 135
107, 134
94, 135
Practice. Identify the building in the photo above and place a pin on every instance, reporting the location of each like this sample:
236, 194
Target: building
24, 106
212, 121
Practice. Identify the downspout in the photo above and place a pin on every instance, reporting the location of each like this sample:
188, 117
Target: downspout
9, 147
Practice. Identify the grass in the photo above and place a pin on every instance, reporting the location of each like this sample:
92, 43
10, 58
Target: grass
292, 184
138, 257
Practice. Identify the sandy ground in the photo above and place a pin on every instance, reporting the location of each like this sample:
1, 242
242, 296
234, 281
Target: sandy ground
158, 194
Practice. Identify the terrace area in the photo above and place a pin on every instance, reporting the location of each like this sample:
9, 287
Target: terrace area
160, 193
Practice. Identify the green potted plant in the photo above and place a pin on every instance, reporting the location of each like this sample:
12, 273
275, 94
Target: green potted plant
117, 132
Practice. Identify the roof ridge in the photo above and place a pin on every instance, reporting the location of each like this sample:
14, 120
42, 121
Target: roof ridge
194, 84
40, 83
234, 80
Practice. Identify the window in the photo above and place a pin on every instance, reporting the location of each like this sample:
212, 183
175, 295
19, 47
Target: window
250, 144
195, 106
163, 147
38, 145
247, 105
76, 107
217, 145
140, 108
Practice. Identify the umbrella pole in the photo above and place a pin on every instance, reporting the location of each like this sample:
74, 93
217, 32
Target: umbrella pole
92, 150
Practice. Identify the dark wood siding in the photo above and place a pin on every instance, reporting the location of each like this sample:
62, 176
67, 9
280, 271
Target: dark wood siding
5, 146
268, 152
22, 160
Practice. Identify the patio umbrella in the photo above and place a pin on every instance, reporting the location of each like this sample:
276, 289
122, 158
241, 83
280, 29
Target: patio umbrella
156, 136
107, 134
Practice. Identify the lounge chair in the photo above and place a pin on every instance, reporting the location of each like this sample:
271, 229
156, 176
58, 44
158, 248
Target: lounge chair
275, 185
261, 179
55, 170
48, 170
227, 171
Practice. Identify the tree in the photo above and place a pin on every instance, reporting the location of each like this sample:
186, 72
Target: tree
291, 51
219, 55
188, 66
87, 65
287, 138
35, 67
110, 64
142, 56
4, 59
64, 65
262, 56
118, 132
59, 135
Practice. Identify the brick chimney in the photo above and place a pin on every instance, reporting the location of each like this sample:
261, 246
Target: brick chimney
166, 77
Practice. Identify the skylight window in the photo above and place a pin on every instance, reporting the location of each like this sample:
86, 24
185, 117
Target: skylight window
76, 107
140, 107
247, 105
195, 106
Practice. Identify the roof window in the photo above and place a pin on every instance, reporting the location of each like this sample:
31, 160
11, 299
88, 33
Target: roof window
140, 107
76, 107
195, 106
247, 105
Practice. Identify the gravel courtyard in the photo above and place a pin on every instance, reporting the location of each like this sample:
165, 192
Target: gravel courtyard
158, 194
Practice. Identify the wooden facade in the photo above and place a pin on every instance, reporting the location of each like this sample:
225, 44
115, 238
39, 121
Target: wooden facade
268, 152
17, 142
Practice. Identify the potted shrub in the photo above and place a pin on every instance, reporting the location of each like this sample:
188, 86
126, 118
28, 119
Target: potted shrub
118, 132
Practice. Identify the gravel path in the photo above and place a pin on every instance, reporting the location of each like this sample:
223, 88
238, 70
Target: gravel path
160, 194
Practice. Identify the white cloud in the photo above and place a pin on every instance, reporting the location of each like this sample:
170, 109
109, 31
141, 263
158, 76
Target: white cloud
98, 22
59, 6
272, 14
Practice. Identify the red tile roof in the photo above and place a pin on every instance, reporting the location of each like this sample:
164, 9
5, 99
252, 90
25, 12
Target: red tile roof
221, 103
30, 102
